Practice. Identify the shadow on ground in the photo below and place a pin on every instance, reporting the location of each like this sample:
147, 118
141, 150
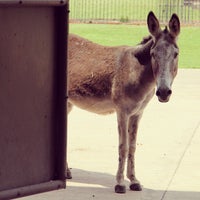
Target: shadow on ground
96, 185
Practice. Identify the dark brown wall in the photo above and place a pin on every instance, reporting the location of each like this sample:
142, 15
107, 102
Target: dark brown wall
32, 95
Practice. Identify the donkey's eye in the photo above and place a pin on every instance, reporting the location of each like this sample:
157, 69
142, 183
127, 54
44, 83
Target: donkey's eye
175, 55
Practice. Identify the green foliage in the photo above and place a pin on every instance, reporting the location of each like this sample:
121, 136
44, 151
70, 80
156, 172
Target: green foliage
133, 10
124, 19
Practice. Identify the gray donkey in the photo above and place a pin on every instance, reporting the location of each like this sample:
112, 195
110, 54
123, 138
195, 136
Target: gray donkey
123, 79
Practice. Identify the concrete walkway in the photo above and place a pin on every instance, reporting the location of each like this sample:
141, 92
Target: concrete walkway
167, 156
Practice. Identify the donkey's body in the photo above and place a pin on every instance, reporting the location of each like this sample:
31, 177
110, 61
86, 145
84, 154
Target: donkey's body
122, 80
99, 76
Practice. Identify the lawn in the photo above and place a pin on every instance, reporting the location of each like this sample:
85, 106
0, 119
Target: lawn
120, 34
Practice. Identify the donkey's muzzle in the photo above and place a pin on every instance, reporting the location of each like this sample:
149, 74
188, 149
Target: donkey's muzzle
163, 94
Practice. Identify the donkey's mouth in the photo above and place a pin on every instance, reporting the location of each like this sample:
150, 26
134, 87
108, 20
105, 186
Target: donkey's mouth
163, 100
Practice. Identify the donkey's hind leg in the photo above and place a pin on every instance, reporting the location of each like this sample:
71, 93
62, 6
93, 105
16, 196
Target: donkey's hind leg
68, 174
69, 107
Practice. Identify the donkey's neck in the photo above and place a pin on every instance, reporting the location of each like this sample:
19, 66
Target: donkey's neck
142, 52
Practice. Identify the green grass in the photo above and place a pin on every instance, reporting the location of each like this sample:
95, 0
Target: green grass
113, 35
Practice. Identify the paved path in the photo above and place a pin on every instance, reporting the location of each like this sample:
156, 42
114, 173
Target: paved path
167, 157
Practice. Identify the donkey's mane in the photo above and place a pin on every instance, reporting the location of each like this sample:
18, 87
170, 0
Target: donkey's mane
145, 40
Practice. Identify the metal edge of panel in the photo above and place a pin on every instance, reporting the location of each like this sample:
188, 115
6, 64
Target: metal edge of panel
31, 190
33, 2
61, 21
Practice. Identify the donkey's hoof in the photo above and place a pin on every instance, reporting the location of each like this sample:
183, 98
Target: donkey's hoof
68, 174
135, 187
121, 189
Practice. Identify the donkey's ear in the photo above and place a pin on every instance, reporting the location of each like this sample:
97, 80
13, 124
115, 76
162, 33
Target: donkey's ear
174, 25
153, 24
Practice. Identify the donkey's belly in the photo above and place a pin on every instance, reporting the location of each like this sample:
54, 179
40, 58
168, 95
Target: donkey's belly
103, 106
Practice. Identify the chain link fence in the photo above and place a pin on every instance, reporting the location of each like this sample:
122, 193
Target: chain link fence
133, 11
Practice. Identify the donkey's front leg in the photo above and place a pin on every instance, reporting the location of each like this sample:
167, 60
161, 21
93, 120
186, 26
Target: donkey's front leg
123, 150
132, 130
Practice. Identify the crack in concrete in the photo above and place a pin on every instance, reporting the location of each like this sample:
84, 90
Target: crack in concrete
181, 159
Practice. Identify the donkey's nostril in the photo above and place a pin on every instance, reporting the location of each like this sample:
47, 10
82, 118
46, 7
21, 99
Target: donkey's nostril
158, 93
169, 92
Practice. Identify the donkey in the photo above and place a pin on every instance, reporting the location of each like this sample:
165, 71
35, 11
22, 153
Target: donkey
123, 79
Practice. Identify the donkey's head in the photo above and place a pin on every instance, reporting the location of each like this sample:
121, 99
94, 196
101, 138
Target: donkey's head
164, 54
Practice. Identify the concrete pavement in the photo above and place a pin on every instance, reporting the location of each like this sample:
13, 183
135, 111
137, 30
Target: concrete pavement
167, 156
